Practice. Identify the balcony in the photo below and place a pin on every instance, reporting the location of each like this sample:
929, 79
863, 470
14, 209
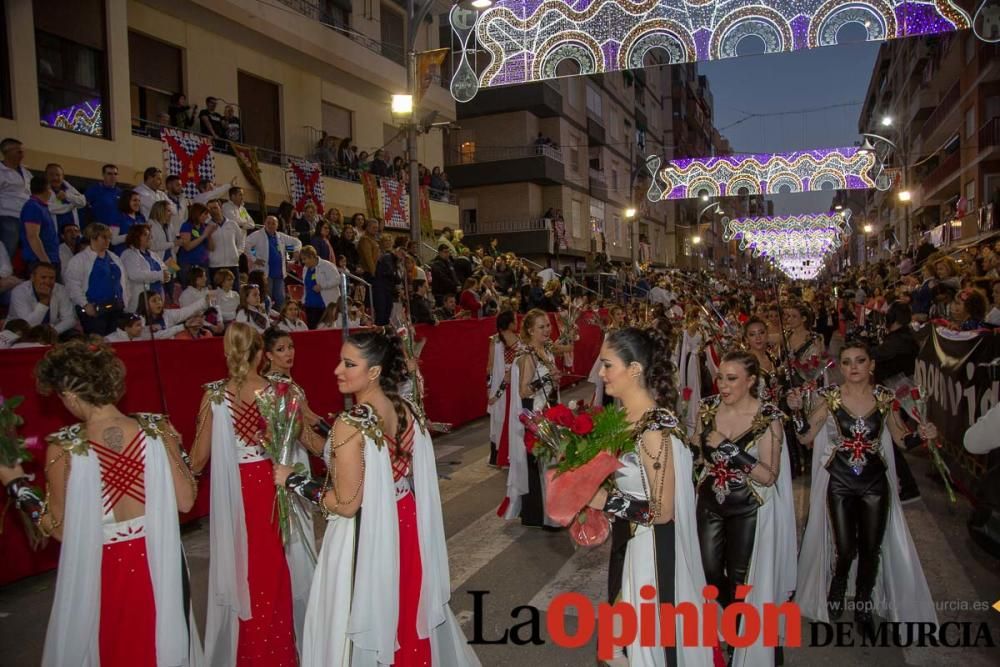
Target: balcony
595, 130
947, 105
921, 107
496, 165
598, 185
541, 98
989, 134
946, 171
522, 237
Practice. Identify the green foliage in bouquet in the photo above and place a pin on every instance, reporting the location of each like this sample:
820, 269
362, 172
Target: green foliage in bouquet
12, 449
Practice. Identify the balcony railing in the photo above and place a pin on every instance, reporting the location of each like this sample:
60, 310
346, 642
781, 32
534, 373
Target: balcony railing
989, 134
945, 107
498, 153
950, 165
598, 175
151, 130
507, 226
312, 9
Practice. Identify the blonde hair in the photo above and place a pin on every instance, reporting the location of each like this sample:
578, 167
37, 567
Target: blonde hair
308, 252
528, 324
242, 344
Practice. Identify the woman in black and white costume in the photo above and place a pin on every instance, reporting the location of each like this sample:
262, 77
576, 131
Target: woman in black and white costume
856, 522
652, 490
745, 513
688, 356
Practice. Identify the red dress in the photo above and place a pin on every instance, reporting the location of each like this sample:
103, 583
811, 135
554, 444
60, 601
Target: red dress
268, 637
413, 651
127, 634
503, 447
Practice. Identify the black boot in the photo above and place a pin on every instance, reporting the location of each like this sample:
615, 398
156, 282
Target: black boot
493, 456
835, 600
864, 616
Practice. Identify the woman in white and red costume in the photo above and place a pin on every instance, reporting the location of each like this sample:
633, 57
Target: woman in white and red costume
501, 402
115, 485
381, 590
250, 596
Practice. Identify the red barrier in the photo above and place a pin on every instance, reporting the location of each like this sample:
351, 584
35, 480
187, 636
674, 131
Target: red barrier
166, 377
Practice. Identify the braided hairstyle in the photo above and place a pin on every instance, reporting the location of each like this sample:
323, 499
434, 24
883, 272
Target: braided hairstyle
750, 364
382, 347
650, 348
87, 367
242, 344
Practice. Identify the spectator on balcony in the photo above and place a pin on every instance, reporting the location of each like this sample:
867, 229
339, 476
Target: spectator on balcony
102, 198
345, 159
421, 303
210, 121
181, 114
424, 176
469, 299
232, 125
364, 161
265, 250
195, 241
346, 247
368, 250
379, 166
234, 209
70, 236
129, 214
445, 186
65, 200
437, 183
443, 278
399, 170
322, 241
15, 190
39, 233
42, 300
305, 224
227, 242
326, 151
150, 193
144, 269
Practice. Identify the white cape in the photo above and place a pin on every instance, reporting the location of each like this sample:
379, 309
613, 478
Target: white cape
496, 410
901, 593
72, 634
689, 371
354, 602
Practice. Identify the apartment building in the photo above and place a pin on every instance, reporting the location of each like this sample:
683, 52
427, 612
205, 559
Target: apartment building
292, 69
942, 97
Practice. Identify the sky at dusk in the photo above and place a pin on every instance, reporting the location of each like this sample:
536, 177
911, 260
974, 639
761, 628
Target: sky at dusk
762, 84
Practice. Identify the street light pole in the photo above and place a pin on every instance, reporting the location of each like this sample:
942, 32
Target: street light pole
413, 18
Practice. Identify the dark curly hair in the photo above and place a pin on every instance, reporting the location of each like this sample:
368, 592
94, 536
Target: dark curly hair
650, 348
857, 343
382, 347
750, 364
87, 367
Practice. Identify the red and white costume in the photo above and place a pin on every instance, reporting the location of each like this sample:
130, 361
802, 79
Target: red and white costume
500, 411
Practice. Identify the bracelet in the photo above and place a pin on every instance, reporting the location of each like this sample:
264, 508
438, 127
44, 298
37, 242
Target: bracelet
305, 487
26, 498
631, 509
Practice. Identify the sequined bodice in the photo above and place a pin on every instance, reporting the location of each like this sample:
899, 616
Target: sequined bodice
858, 446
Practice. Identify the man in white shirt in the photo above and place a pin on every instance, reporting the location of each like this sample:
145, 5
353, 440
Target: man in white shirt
265, 250
150, 193
14, 192
70, 235
175, 191
229, 240
235, 210
65, 200
659, 295
43, 301
7, 277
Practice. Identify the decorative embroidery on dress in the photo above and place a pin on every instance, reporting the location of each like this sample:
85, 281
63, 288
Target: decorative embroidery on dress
216, 391
722, 475
364, 418
859, 446
70, 438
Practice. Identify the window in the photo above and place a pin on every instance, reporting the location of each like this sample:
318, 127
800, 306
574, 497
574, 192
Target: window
70, 48
5, 107
338, 121
575, 219
335, 12
594, 102
260, 111
393, 25
614, 178
154, 76
574, 152
970, 194
970, 122
467, 152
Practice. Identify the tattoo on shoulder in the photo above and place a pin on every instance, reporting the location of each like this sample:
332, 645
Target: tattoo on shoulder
114, 438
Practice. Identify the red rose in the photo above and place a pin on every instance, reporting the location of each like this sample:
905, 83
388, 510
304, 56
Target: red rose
281, 388
896, 407
583, 424
902, 392
686, 393
560, 414
915, 393
530, 440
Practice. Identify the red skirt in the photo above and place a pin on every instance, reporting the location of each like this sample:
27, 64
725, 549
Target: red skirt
127, 635
413, 651
503, 448
268, 638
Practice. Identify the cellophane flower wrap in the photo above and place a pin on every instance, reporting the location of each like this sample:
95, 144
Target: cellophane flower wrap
811, 370
14, 451
569, 330
580, 447
913, 401
280, 405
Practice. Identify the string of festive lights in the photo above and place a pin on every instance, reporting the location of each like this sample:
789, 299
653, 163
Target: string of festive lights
799, 266
765, 173
737, 228
526, 40
780, 242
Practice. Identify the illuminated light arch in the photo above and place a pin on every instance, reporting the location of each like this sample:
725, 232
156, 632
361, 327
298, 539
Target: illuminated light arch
663, 34
768, 173
576, 46
516, 35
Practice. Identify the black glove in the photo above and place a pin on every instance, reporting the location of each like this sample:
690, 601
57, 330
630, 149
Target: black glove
628, 508
800, 425
735, 457
306, 487
26, 499
322, 428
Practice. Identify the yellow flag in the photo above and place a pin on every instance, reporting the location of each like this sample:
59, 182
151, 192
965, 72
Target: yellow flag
428, 66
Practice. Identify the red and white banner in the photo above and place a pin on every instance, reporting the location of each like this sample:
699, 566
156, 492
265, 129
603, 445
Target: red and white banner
188, 156
305, 182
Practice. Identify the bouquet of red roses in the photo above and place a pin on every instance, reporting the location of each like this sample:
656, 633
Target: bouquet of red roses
581, 448
280, 405
913, 401
811, 370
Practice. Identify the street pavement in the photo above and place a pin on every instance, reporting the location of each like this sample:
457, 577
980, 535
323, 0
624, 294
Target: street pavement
513, 566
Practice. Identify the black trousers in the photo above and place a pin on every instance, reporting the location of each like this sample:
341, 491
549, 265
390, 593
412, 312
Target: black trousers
795, 457
313, 316
665, 554
726, 539
105, 321
621, 533
858, 517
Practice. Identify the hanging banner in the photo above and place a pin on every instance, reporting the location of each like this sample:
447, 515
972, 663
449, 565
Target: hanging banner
395, 204
246, 159
305, 184
373, 201
188, 156
426, 222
